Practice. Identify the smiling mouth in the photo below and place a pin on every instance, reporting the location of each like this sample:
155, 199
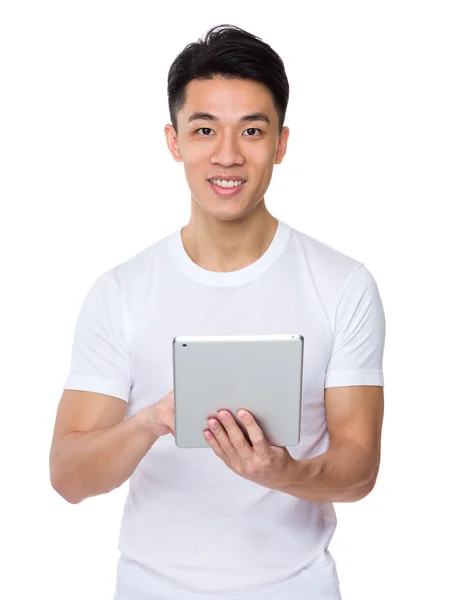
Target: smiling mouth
225, 190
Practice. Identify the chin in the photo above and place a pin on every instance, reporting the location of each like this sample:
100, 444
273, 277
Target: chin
227, 214
223, 208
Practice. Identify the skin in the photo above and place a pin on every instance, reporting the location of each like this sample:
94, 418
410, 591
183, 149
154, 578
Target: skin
223, 234
226, 234
347, 472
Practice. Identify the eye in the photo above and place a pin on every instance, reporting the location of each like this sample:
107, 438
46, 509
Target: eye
205, 129
252, 129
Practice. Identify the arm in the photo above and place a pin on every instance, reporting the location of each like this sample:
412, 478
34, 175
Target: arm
348, 470
354, 401
354, 405
95, 450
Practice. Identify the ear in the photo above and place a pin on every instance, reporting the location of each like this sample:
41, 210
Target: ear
172, 142
282, 145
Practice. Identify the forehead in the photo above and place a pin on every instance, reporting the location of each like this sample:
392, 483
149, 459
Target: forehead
227, 98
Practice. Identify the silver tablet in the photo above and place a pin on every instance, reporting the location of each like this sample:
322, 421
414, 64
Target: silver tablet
261, 373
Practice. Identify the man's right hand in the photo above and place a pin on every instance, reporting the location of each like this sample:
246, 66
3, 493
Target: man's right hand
159, 417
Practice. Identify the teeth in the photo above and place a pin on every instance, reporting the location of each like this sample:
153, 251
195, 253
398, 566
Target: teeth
226, 184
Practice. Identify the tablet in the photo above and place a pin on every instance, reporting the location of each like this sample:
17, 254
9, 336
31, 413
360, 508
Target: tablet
261, 373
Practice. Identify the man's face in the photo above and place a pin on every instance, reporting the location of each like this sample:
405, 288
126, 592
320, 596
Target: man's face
234, 134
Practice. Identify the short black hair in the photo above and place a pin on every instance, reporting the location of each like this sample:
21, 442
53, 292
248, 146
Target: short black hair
233, 53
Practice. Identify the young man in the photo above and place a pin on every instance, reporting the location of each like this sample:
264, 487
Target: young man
232, 521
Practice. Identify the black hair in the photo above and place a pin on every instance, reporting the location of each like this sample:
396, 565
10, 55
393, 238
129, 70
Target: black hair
233, 53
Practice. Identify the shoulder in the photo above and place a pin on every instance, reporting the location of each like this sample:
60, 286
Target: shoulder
136, 275
332, 271
339, 280
325, 260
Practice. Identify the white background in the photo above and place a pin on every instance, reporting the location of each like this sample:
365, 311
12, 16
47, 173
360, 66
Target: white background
87, 181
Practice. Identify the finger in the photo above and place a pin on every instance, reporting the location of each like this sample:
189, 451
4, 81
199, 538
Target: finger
214, 444
222, 438
236, 436
257, 437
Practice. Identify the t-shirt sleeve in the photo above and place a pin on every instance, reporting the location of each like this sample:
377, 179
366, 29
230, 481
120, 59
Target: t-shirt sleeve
100, 352
358, 346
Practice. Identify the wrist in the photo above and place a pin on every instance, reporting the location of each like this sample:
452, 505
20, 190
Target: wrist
295, 473
145, 421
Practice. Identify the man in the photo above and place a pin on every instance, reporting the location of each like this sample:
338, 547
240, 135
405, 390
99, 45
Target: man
230, 521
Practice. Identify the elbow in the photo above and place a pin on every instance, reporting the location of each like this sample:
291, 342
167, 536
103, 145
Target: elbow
354, 494
368, 482
372, 482
63, 489
361, 493
364, 489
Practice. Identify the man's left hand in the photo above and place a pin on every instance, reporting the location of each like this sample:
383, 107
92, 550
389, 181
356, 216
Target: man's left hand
269, 466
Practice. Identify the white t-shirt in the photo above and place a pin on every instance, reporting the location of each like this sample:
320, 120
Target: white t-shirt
192, 529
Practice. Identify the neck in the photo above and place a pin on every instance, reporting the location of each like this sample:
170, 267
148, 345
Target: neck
224, 246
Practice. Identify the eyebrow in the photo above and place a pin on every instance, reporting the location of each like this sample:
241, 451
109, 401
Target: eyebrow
257, 116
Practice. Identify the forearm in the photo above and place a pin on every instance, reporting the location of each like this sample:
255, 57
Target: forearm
96, 462
344, 473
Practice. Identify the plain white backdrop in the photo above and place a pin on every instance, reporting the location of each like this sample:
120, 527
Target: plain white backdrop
86, 181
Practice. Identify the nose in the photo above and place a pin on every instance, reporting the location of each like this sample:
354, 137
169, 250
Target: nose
227, 151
